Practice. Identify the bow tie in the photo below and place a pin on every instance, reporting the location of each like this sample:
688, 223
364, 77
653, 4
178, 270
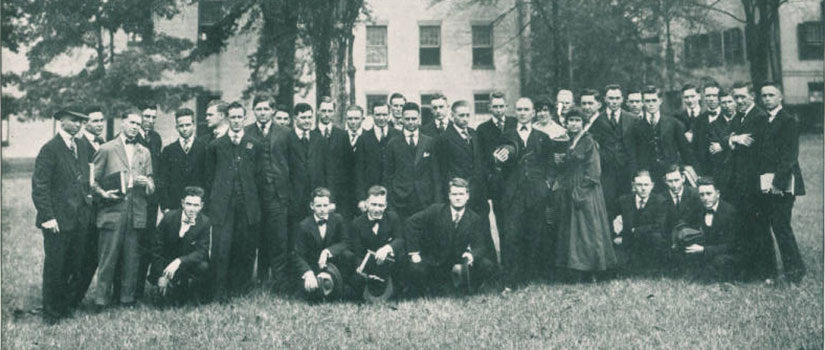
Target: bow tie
188, 221
321, 222
132, 141
710, 211
374, 222
99, 139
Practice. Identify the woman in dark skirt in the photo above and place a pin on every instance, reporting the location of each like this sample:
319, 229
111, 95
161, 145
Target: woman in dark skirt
584, 247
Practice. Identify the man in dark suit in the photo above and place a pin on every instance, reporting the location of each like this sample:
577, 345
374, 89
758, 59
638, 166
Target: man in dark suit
122, 221
60, 190
396, 103
714, 251
307, 160
681, 201
178, 162
634, 102
236, 174
216, 124
92, 130
459, 155
321, 238
641, 229
658, 140
411, 170
151, 140
263, 107
443, 237
689, 115
378, 230
282, 117
490, 138
743, 141
781, 180
701, 129
180, 251
719, 152
441, 122
275, 192
346, 182
370, 151
612, 132
524, 165
338, 152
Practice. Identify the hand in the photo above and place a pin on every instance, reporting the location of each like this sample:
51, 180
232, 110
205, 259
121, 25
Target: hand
501, 155
362, 205
689, 136
163, 283
558, 158
171, 269
744, 139
617, 240
322, 260
142, 180
469, 257
383, 253
310, 282
618, 224
51, 225
694, 248
715, 147
110, 194
415, 258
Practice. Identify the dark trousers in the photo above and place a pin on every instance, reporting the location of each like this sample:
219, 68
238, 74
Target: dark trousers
189, 285
273, 252
755, 238
62, 268
522, 237
427, 275
648, 253
88, 265
233, 251
719, 267
145, 246
118, 262
775, 212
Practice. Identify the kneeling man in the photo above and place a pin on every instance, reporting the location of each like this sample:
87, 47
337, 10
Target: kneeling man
641, 226
707, 237
181, 250
446, 239
321, 240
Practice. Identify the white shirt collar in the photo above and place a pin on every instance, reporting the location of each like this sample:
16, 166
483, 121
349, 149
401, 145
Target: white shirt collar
528, 125
324, 127
66, 137
407, 134
300, 132
639, 199
459, 129
238, 134
220, 130
653, 118
183, 141
317, 218
775, 111
453, 212
715, 206
123, 138
747, 111
677, 195
357, 132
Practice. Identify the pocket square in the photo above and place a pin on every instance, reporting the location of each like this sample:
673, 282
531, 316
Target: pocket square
249, 145
426, 154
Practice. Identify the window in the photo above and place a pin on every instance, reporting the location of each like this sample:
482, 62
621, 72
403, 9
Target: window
482, 46
695, 48
376, 47
375, 99
210, 13
713, 56
481, 103
815, 92
734, 50
429, 40
810, 39
427, 99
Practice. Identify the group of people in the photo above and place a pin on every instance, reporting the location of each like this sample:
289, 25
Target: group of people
407, 200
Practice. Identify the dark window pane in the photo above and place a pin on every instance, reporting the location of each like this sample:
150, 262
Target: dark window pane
481, 103
734, 50
811, 37
482, 36
373, 100
429, 56
482, 57
713, 55
427, 99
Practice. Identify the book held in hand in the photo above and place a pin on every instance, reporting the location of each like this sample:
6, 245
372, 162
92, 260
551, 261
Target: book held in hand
370, 268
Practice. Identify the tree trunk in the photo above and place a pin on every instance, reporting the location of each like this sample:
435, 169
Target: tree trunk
287, 26
351, 69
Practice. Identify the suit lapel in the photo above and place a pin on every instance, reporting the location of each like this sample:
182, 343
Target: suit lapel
120, 150
419, 147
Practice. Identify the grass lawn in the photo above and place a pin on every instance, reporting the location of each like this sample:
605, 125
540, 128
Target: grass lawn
623, 313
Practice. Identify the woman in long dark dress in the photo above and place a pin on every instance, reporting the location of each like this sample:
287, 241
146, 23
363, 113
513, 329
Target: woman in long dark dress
584, 246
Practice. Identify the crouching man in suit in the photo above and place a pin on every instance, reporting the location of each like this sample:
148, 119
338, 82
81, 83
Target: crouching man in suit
449, 241
321, 241
641, 226
380, 231
181, 250
707, 237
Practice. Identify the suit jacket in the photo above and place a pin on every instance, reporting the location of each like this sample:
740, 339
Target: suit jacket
60, 183
718, 165
489, 138
614, 140
178, 170
255, 132
722, 235
221, 156
687, 122
339, 166
745, 160
308, 242
701, 142
192, 248
390, 231
277, 164
432, 233
369, 160
431, 130
411, 173
459, 158
778, 152
656, 147
688, 205
154, 143
110, 159
650, 221
307, 170
526, 171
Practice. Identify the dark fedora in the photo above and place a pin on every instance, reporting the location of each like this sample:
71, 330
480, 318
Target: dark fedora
379, 291
379, 286
687, 236
330, 283
72, 112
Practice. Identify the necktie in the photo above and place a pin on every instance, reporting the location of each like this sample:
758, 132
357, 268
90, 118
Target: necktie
236, 139
326, 133
641, 204
73, 148
352, 138
615, 117
456, 219
677, 199
188, 221
131, 141
322, 222
186, 146
523, 128
412, 140
378, 133
500, 125
99, 140
465, 135
305, 137
262, 126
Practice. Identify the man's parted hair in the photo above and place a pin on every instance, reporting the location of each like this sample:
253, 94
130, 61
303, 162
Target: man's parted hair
651, 89
459, 103
590, 92
771, 83
184, 112
355, 108
642, 173
194, 191
222, 106
319, 192
438, 96
705, 181
236, 105
377, 191
380, 105
128, 112
326, 99
497, 94
263, 98
301, 107
411, 106
609, 87
394, 96
672, 168
459, 182
689, 86
743, 84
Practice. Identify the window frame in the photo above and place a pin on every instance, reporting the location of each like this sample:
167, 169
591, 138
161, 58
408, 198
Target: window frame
809, 50
486, 101
438, 47
386, 46
476, 46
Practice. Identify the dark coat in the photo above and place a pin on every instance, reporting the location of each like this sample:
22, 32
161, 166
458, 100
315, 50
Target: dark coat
339, 168
489, 138
615, 154
431, 232
277, 164
307, 170
744, 160
722, 235
431, 130
369, 160
60, 183
778, 153
720, 163
701, 142
688, 206
220, 154
308, 242
459, 158
525, 172
255, 132
192, 248
645, 223
177, 171
390, 231
412, 175
656, 147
